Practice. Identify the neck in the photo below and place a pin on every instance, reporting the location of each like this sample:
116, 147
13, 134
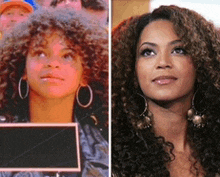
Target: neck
51, 110
169, 121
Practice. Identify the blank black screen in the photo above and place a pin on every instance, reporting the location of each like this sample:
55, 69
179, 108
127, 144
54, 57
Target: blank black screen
27, 147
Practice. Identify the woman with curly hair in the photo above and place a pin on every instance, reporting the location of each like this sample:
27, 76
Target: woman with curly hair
54, 69
166, 91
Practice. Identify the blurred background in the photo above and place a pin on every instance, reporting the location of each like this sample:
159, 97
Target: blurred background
122, 9
13, 12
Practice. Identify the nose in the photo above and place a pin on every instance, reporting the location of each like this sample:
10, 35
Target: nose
16, 18
52, 62
164, 61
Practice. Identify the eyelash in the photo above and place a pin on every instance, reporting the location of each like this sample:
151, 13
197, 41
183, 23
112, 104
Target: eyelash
177, 50
147, 52
183, 51
69, 55
38, 53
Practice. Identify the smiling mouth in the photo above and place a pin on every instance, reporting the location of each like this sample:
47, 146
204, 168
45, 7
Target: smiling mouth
164, 80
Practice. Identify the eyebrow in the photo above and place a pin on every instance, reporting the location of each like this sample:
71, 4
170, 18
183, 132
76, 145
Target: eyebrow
154, 45
69, 48
45, 46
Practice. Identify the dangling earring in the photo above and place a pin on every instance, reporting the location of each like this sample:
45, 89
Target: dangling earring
19, 89
146, 121
196, 117
90, 100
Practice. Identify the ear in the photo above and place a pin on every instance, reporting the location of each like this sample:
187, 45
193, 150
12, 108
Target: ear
83, 82
24, 77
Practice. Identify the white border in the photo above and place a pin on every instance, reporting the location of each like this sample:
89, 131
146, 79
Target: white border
110, 84
78, 169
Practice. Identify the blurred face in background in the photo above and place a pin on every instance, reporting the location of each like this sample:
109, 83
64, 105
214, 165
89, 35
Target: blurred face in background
99, 15
76, 4
11, 16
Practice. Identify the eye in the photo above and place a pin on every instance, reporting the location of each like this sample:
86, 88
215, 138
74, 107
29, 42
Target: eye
8, 13
69, 57
39, 54
147, 53
60, 1
179, 50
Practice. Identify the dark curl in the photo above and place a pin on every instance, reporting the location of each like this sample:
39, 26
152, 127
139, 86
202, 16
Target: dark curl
89, 40
138, 152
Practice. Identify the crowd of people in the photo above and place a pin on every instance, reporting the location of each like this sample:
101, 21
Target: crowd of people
14, 12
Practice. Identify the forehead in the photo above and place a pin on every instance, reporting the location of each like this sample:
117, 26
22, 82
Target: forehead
160, 29
50, 37
15, 8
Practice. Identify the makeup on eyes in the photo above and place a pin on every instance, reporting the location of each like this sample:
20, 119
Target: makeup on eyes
148, 49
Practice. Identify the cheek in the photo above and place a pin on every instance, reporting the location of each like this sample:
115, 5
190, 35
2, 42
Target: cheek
32, 69
143, 70
188, 71
190, 77
4, 21
74, 74
23, 18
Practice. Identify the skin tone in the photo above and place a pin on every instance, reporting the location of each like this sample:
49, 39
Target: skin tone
100, 15
76, 4
11, 16
44, 3
166, 75
54, 72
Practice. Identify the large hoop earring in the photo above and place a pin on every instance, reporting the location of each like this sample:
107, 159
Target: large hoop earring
198, 119
19, 89
146, 121
90, 100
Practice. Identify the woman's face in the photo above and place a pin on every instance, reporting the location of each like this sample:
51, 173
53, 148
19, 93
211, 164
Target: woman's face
165, 72
53, 69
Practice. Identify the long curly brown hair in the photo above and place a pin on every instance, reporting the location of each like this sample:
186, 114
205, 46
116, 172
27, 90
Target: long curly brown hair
139, 152
90, 41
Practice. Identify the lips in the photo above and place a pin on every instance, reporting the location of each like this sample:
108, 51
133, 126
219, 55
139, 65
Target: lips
164, 80
52, 77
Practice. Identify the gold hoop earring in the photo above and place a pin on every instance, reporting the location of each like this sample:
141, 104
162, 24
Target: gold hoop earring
146, 121
198, 119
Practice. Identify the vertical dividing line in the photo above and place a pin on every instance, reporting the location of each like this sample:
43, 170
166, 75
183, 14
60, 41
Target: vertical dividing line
110, 83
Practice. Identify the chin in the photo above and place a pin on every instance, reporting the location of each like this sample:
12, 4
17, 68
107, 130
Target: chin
168, 99
162, 95
163, 99
54, 94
